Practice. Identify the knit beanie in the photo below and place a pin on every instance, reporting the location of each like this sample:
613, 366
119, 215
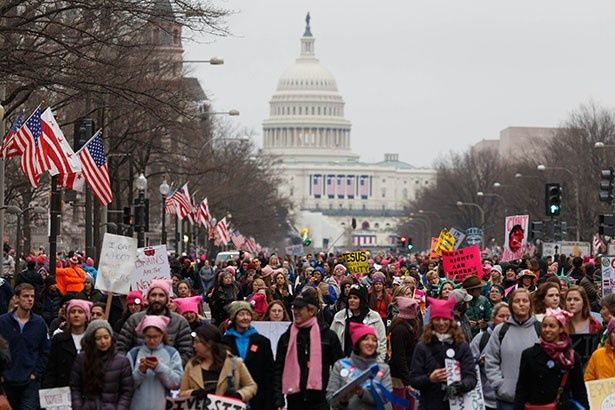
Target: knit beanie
190, 304
359, 292
408, 307
439, 308
94, 326
85, 305
339, 266
237, 306
358, 331
378, 277
162, 284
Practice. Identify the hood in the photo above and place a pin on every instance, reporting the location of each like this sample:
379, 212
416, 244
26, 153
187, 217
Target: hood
527, 323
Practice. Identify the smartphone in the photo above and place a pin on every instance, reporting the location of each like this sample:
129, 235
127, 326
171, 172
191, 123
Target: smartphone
151, 358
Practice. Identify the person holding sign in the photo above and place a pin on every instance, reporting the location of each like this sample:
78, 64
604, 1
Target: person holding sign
442, 339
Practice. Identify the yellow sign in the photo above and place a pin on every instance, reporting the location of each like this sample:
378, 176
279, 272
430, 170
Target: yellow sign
601, 394
446, 242
356, 261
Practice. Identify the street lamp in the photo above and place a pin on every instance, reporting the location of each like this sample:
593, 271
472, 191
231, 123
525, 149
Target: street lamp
164, 192
601, 144
141, 184
575, 179
426, 219
212, 61
19, 213
490, 194
482, 212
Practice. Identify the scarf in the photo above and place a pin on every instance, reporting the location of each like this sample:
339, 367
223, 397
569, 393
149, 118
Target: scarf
444, 337
559, 351
242, 340
292, 372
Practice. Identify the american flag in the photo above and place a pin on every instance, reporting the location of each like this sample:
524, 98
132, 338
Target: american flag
317, 185
238, 240
28, 136
193, 213
597, 243
95, 169
182, 200
222, 233
10, 147
169, 206
331, 186
251, 245
364, 186
55, 153
351, 186
203, 215
340, 188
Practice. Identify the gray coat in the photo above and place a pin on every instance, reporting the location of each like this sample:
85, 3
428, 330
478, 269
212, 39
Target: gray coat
178, 332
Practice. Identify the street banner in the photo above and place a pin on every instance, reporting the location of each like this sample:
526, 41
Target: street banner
295, 250
356, 261
474, 236
432, 250
550, 249
515, 229
211, 402
462, 263
117, 261
55, 399
572, 248
608, 275
601, 394
272, 331
458, 235
152, 263
473, 399
446, 242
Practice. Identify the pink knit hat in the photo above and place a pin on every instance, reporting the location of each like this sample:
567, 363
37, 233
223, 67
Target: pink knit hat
441, 308
162, 284
358, 331
86, 305
158, 321
408, 307
134, 297
190, 304
266, 271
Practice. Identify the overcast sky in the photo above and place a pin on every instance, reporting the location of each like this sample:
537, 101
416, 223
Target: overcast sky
421, 78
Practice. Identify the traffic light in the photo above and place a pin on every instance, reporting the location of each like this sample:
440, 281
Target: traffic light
558, 231
607, 225
607, 183
127, 216
84, 129
403, 241
536, 230
553, 199
410, 245
304, 236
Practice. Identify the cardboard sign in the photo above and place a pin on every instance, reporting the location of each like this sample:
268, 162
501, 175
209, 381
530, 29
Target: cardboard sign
432, 251
446, 241
152, 263
458, 235
212, 402
572, 248
550, 249
117, 261
601, 394
515, 240
272, 331
462, 263
356, 261
295, 250
473, 399
55, 399
474, 236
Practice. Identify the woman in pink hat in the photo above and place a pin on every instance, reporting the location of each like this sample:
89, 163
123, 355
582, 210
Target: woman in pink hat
134, 304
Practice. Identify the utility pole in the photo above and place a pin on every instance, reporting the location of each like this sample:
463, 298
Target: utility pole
2, 93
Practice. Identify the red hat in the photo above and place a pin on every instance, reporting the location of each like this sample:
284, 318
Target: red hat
190, 304
74, 259
439, 308
89, 261
358, 331
41, 259
134, 297
203, 257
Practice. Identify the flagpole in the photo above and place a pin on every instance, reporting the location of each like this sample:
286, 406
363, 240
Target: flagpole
90, 140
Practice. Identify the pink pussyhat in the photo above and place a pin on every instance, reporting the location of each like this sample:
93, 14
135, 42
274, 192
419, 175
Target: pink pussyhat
439, 308
562, 316
408, 307
358, 331
86, 305
190, 304
158, 321
163, 284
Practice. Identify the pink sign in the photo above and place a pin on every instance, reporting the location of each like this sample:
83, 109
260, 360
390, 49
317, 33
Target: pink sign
462, 263
515, 240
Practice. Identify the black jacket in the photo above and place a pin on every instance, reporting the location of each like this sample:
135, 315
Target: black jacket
538, 382
403, 341
61, 358
259, 361
331, 352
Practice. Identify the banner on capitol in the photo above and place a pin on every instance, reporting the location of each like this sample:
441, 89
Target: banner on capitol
117, 261
462, 263
212, 402
515, 239
151, 263
356, 261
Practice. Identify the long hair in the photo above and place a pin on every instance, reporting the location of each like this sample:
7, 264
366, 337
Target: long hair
429, 334
585, 312
285, 318
209, 334
539, 296
94, 364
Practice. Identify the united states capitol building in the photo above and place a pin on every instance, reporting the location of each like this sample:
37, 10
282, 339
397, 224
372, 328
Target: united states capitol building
327, 182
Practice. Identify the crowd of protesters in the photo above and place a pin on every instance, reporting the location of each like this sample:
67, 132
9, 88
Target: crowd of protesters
194, 334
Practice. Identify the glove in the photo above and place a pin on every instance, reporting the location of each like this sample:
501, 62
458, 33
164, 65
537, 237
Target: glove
199, 394
233, 394
454, 389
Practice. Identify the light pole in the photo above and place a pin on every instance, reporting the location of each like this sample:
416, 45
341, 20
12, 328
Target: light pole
18, 234
2, 92
482, 212
423, 225
164, 191
490, 194
141, 184
575, 180
212, 61
426, 219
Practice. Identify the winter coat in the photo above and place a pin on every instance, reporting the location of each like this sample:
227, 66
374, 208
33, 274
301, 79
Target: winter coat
540, 378
6, 293
372, 319
331, 352
117, 385
502, 360
601, 365
222, 296
178, 333
153, 386
366, 401
403, 341
29, 347
51, 305
242, 380
429, 357
70, 280
259, 361
61, 358
478, 309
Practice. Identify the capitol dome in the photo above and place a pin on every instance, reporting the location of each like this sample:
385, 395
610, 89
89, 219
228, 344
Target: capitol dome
306, 119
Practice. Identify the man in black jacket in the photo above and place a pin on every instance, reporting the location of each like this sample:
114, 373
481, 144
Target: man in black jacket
305, 308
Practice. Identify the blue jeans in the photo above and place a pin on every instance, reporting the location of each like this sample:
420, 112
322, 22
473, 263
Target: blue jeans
23, 396
504, 405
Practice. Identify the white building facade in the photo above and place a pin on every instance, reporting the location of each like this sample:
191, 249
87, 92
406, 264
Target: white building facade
327, 183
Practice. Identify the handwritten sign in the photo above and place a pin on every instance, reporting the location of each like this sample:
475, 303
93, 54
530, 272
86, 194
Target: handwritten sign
446, 241
433, 255
356, 261
55, 399
462, 263
152, 263
458, 235
515, 238
212, 402
601, 394
117, 261
473, 399
295, 250
272, 331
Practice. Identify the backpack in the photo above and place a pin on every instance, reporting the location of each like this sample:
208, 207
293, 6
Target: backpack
506, 325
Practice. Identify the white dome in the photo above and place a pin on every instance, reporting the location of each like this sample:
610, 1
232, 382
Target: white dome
307, 74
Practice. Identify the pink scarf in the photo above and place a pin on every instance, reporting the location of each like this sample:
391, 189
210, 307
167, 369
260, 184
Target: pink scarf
292, 373
560, 351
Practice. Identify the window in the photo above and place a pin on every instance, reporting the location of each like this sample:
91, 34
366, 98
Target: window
376, 225
176, 37
405, 193
365, 225
384, 192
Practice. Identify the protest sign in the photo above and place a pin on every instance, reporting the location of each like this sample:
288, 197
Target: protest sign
152, 263
515, 229
462, 263
212, 402
295, 250
446, 242
432, 250
272, 331
474, 236
117, 261
356, 261
353, 385
572, 248
473, 399
608, 274
55, 399
601, 394
550, 249
458, 235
